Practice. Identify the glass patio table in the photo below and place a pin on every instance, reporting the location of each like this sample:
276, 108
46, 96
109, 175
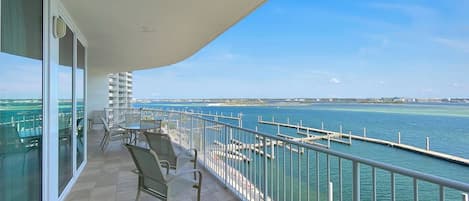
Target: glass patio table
134, 128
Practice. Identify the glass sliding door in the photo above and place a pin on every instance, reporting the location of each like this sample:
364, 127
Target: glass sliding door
21, 101
65, 95
80, 98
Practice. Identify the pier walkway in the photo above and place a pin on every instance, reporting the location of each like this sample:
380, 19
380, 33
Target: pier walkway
304, 130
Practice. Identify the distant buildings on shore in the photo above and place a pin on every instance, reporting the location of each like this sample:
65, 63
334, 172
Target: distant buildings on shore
260, 101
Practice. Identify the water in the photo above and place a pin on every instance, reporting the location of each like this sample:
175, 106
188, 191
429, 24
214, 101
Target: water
446, 125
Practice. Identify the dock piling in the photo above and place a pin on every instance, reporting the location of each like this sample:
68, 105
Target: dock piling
350, 137
364, 132
288, 120
301, 123
399, 138
428, 143
340, 128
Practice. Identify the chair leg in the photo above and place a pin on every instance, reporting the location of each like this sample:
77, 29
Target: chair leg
105, 142
198, 193
195, 167
138, 195
102, 140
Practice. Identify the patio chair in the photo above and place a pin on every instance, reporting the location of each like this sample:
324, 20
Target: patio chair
153, 181
11, 143
111, 135
162, 145
95, 118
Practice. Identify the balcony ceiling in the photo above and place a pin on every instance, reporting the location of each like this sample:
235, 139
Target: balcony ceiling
128, 35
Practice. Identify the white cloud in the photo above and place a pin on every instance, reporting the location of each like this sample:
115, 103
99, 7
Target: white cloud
456, 85
452, 43
334, 80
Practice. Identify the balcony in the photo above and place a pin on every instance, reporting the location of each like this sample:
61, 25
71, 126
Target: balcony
108, 177
259, 166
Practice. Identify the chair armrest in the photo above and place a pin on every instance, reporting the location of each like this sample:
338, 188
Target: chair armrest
180, 174
168, 165
188, 151
136, 172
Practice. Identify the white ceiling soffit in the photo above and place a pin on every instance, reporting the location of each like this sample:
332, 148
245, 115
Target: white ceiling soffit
127, 35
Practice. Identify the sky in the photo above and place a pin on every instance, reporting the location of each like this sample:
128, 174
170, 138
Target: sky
310, 49
361, 49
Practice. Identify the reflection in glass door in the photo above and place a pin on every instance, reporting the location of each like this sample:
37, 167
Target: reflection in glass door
65, 95
80, 98
21, 67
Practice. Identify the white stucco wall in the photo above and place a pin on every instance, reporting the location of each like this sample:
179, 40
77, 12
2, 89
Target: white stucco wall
97, 90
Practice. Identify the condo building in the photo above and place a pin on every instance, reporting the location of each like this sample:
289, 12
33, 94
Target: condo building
120, 90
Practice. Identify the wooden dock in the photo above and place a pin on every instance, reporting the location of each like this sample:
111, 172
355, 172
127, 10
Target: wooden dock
305, 130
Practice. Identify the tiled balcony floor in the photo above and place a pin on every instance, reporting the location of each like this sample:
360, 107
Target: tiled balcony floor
107, 177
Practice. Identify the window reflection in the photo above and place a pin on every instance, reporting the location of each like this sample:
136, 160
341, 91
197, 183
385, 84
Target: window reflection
21, 100
80, 98
65, 94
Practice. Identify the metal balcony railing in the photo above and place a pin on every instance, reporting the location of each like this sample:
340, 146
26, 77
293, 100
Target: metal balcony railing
259, 166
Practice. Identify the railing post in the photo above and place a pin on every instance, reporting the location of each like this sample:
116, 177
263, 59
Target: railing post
191, 143
373, 184
465, 197
331, 194
442, 193
393, 187
204, 143
364, 132
340, 179
264, 143
416, 189
356, 181
226, 157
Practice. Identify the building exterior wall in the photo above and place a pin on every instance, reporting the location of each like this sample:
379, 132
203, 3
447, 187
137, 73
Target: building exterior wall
120, 90
97, 84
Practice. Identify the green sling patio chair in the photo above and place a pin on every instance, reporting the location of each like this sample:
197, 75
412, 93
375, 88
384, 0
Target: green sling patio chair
11, 143
162, 145
111, 135
153, 181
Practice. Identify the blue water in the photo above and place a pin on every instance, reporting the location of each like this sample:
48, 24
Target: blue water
446, 125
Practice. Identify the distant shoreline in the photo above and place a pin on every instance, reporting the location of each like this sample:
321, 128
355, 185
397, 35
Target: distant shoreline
305, 101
